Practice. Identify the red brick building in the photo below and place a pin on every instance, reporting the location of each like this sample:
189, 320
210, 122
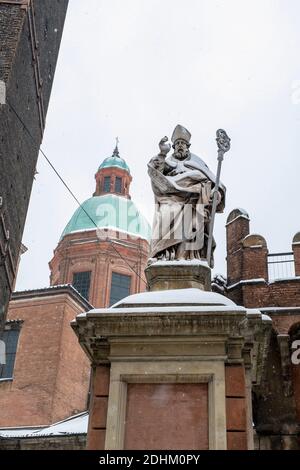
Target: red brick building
104, 248
107, 263
39, 384
100, 259
30, 37
271, 283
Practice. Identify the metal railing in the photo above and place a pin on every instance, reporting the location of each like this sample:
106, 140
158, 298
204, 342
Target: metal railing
281, 266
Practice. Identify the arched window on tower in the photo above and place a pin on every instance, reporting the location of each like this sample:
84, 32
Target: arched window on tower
120, 287
81, 282
118, 185
106, 184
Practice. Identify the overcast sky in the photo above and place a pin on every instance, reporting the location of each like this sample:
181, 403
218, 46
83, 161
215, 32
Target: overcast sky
136, 68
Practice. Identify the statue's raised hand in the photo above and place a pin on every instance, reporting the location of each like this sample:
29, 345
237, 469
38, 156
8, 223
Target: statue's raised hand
164, 147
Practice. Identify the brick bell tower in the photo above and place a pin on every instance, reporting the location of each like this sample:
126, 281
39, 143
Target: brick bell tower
113, 176
104, 248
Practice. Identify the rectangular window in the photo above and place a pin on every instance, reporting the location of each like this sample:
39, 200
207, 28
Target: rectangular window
81, 282
10, 339
120, 287
106, 185
118, 185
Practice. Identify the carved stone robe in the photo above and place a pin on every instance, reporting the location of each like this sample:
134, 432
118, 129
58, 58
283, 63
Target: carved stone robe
182, 190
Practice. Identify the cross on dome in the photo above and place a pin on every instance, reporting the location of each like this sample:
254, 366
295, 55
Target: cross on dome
116, 150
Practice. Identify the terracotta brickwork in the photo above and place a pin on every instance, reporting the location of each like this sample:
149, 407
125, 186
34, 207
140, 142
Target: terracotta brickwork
71, 442
247, 268
296, 250
83, 251
30, 38
236, 419
98, 407
236, 232
276, 294
113, 173
102, 253
51, 372
277, 401
51, 379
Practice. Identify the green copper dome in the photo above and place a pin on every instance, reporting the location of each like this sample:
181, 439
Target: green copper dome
115, 161
109, 211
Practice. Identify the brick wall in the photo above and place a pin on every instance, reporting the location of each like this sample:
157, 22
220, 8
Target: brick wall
236, 419
247, 264
113, 172
237, 228
296, 250
72, 442
18, 155
83, 251
51, 373
98, 407
276, 403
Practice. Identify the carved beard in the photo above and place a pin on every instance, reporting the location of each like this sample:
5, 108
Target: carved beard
181, 154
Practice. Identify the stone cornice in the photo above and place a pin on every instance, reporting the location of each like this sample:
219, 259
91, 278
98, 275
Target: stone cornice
194, 327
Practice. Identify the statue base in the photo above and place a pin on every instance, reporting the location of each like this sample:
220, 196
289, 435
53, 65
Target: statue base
170, 353
182, 274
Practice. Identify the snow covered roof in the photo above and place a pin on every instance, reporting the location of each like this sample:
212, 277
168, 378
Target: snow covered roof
248, 281
52, 290
74, 425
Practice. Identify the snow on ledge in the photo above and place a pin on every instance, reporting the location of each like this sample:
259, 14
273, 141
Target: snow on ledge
191, 296
263, 281
257, 313
280, 309
164, 310
73, 425
284, 279
265, 317
181, 262
247, 281
241, 216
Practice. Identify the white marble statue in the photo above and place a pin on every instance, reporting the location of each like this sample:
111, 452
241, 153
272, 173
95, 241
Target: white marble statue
183, 187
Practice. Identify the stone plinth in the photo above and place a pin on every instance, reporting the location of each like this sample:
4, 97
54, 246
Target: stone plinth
165, 275
176, 359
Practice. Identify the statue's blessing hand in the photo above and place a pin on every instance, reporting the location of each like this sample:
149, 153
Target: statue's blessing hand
164, 147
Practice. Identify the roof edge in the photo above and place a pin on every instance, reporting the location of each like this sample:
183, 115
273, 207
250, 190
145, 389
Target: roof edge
53, 290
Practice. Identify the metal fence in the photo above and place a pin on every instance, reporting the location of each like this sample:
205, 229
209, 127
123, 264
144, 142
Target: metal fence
281, 266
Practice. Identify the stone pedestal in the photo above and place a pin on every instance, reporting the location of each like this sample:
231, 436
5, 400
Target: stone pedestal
165, 275
171, 367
